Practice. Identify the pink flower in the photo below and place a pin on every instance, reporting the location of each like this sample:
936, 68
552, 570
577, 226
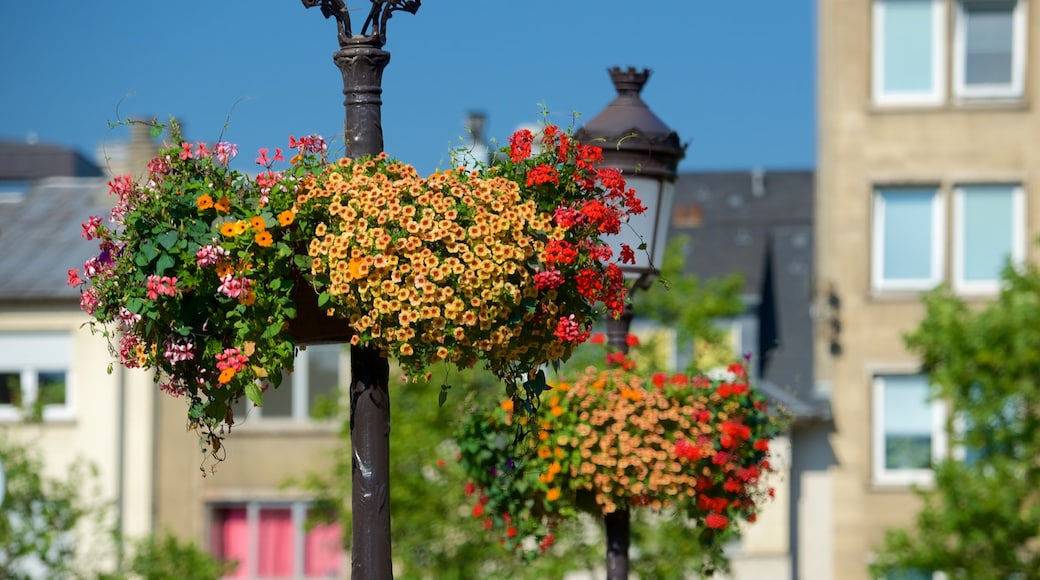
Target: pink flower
185, 151
161, 286
548, 280
231, 358
263, 159
234, 287
179, 350
74, 279
225, 152
88, 301
90, 227
210, 255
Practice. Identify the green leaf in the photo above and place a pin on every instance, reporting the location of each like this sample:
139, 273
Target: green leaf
167, 239
254, 394
165, 262
323, 299
443, 396
155, 131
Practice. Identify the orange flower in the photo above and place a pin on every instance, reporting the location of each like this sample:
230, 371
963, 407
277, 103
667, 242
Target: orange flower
248, 298
507, 405
264, 239
286, 217
258, 223
228, 229
223, 204
553, 494
226, 375
204, 201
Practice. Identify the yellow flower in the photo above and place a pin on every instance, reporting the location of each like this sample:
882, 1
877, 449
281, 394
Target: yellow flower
241, 226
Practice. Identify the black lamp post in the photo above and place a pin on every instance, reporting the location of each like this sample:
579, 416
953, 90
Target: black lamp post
647, 152
361, 59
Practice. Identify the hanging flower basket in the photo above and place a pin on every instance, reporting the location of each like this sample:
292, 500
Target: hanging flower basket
616, 438
213, 277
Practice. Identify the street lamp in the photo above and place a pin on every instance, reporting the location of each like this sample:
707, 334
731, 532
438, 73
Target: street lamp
361, 60
647, 152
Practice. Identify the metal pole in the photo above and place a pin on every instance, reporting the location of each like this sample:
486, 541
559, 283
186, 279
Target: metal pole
619, 523
361, 60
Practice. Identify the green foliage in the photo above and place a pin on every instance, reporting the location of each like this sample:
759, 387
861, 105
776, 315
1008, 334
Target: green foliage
982, 518
687, 303
39, 535
164, 557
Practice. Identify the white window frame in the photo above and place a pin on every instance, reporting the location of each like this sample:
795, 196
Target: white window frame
28, 354
299, 383
902, 477
1018, 241
299, 518
1016, 89
877, 245
888, 98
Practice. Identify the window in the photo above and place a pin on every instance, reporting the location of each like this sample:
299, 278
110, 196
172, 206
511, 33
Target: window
908, 430
907, 251
34, 375
272, 540
989, 49
908, 39
310, 391
989, 228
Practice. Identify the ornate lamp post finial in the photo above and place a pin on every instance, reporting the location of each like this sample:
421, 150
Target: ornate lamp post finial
381, 12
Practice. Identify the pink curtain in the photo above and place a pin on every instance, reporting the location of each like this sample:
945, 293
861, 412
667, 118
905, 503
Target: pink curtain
229, 539
275, 547
323, 554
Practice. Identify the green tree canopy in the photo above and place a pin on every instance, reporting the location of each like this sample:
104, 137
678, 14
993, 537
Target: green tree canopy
981, 519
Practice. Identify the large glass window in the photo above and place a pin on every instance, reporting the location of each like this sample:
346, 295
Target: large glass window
273, 540
908, 41
34, 376
989, 52
989, 229
907, 250
908, 429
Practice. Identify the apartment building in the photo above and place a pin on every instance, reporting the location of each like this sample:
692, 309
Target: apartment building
928, 173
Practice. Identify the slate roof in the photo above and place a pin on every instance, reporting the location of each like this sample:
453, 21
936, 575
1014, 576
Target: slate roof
21, 161
40, 237
760, 224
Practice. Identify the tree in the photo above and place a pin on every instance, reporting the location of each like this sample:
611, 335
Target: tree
40, 519
982, 517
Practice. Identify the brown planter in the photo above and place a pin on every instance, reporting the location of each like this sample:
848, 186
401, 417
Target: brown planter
312, 324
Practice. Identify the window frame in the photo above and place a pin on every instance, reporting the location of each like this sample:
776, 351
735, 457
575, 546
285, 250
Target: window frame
30, 354
937, 95
1018, 238
882, 475
1013, 91
299, 383
937, 250
298, 510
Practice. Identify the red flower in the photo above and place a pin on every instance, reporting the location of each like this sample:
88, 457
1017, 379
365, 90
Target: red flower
658, 379
478, 510
470, 487
520, 145
628, 256
489, 523
511, 532
762, 445
631, 340
598, 338
716, 521
542, 174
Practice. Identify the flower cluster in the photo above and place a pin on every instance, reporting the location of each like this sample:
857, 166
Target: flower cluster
616, 439
505, 264
197, 266
194, 274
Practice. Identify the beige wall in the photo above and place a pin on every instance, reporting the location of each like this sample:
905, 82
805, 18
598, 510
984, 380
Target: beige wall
259, 459
861, 145
94, 433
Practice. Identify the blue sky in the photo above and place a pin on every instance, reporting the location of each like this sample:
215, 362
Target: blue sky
735, 78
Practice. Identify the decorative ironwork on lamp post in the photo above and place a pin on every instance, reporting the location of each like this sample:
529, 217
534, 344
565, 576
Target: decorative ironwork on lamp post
361, 59
647, 152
